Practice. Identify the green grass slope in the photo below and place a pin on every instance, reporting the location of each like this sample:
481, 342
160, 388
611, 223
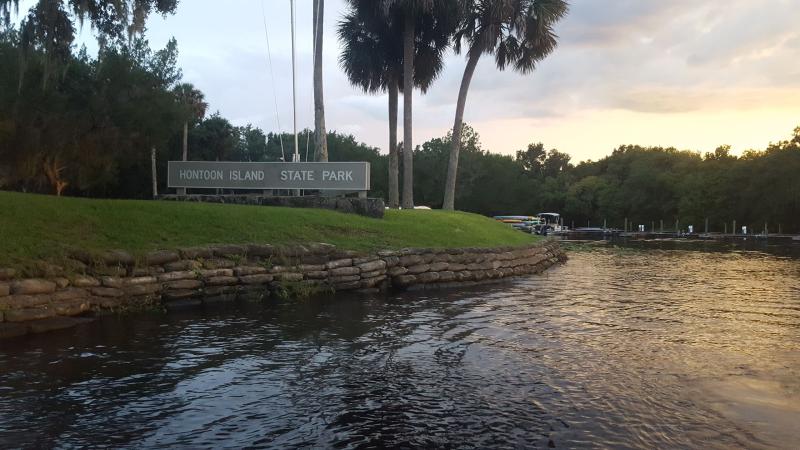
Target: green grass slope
45, 227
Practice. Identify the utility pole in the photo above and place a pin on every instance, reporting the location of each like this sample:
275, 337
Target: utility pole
296, 156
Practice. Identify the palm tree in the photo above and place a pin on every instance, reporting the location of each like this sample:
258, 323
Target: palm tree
320, 135
193, 102
382, 40
372, 60
519, 33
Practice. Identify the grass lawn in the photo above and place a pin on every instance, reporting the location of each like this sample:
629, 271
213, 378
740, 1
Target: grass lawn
46, 227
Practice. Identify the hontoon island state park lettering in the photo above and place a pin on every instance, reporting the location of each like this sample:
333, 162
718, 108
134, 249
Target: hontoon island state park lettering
343, 176
258, 175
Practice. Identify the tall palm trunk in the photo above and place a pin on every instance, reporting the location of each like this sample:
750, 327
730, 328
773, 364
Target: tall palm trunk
185, 140
394, 163
320, 135
458, 126
153, 171
408, 93
182, 191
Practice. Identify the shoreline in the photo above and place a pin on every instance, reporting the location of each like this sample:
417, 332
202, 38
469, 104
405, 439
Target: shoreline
115, 281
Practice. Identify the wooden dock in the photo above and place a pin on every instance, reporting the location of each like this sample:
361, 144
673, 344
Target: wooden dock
608, 233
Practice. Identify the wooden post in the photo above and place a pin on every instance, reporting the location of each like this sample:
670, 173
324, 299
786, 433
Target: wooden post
153, 169
662, 225
734, 228
676, 226
653, 226
726, 228
604, 224
362, 194
626, 225
706, 225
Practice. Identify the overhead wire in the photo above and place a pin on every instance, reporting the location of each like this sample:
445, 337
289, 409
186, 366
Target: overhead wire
272, 76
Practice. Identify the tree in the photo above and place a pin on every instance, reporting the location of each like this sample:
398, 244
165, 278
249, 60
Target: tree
408, 93
192, 101
216, 138
49, 25
372, 59
533, 158
320, 141
251, 144
382, 39
519, 33
111, 18
90, 130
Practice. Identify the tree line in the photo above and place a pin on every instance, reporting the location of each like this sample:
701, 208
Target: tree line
90, 130
634, 184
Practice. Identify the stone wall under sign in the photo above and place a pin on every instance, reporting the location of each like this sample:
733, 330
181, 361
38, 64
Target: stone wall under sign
116, 281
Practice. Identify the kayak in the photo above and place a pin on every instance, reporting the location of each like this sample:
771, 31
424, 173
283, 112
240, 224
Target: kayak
516, 218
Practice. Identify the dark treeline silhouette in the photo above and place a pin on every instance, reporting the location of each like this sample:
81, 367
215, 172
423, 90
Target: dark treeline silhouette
645, 185
89, 130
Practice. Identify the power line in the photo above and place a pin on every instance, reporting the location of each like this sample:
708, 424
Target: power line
272, 75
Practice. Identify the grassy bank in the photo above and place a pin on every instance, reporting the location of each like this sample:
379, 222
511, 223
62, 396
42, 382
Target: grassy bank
44, 227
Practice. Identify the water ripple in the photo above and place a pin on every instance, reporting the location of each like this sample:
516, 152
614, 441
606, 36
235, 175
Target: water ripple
615, 349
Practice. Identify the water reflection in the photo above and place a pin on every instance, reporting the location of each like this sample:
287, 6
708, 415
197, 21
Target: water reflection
617, 348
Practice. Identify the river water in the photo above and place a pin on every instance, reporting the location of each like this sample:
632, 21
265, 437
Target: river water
617, 348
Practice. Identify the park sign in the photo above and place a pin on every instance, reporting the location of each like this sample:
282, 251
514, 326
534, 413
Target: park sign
334, 176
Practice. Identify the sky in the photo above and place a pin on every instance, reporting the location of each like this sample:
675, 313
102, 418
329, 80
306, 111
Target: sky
692, 74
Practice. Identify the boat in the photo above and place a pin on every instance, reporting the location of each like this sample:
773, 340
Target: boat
550, 223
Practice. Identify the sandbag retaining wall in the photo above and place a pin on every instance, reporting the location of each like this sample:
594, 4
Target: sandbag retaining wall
115, 280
